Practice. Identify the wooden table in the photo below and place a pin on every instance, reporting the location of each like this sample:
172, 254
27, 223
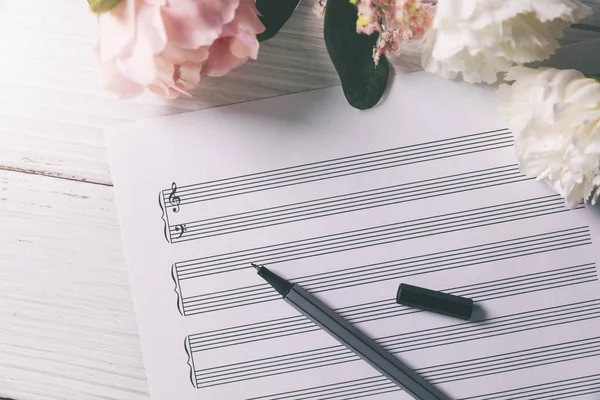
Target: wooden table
67, 327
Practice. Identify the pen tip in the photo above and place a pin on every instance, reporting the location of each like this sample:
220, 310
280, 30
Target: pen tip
256, 267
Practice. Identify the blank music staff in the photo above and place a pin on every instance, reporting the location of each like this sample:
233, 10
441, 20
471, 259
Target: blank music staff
373, 236
407, 342
374, 385
387, 308
513, 361
563, 389
175, 197
395, 269
345, 241
323, 207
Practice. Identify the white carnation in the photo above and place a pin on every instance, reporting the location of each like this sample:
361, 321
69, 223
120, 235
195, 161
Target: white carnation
555, 118
480, 38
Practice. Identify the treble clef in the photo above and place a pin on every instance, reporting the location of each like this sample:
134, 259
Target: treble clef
174, 200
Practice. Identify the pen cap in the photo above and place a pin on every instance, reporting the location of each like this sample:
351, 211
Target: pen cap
431, 300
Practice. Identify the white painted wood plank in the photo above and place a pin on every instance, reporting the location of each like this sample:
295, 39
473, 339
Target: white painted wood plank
52, 109
67, 327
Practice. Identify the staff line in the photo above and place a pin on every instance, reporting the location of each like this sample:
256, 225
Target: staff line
372, 240
195, 232
551, 200
352, 159
393, 312
400, 267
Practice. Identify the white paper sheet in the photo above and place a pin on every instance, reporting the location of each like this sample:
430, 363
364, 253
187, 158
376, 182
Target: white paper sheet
423, 189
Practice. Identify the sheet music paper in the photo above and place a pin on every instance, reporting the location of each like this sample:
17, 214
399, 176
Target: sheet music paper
423, 189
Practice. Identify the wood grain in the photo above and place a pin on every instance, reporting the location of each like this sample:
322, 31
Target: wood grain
67, 328
51, 101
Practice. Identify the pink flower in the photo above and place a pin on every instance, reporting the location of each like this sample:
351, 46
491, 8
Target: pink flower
414, 18
319, 8
397, 21
167, 46
368, 17
388, 42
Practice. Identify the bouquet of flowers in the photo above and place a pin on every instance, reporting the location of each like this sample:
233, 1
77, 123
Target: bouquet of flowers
168, 46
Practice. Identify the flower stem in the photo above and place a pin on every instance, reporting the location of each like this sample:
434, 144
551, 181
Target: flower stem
102, 6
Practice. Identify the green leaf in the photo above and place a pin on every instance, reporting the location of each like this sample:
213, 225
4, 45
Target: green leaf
352, 56
593, 76
102, 6
274, 14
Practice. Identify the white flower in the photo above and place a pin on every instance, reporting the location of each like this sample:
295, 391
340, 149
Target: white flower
480, 38
555, 118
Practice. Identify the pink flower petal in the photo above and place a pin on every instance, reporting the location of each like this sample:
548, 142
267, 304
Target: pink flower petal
221, 60
166, 46
247, 17
189, 76
139, 65
164, 91
245, 45
178, 55
195, 23
117, 30
113, 81
150, 28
